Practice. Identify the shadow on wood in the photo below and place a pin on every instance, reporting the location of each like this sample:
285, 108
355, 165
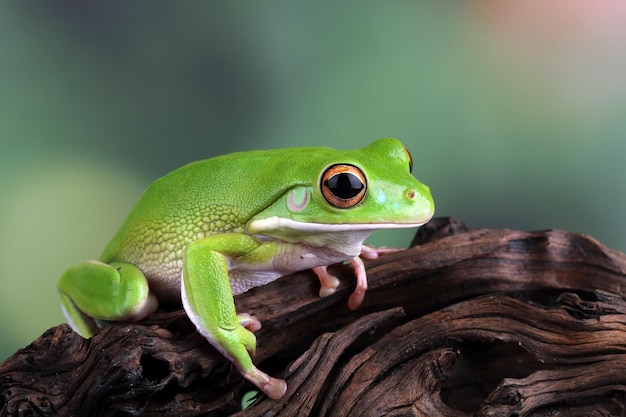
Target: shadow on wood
464, 323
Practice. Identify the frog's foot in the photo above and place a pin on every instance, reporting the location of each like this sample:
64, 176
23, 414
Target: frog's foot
237, 343
249, 322
367, 252
329, 283
274, 388
371, 252
80, 322
94, 293
356, 298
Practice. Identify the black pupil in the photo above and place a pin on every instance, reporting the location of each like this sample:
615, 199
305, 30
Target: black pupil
344, 185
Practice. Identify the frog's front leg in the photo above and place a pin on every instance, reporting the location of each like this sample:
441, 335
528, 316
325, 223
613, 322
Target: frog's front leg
208, 300
329, 283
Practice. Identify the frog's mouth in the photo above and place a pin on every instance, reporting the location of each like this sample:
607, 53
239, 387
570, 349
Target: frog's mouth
280, 223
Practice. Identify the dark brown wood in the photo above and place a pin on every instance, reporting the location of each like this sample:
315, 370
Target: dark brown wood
464, 323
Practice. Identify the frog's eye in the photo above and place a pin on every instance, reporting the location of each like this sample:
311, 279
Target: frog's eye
410, 159
343, 186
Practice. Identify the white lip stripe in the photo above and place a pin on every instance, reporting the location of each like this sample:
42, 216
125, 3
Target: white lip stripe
275, 223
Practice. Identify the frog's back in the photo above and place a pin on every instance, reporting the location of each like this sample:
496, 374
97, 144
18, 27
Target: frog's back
211, 196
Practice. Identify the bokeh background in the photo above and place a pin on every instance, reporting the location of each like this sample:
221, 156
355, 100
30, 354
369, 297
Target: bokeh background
514, 112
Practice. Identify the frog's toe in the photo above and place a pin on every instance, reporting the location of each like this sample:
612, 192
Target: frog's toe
274, 388
329, 283
241, 337
373, 252
80, 322
248, 321
356, 298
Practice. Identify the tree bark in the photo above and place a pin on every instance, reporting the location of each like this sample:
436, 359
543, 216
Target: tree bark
464, 323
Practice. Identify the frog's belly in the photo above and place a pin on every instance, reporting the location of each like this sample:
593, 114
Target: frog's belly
166, 287
164, 279
295, 258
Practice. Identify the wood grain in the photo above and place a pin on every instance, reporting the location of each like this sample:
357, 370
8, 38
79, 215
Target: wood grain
464, 323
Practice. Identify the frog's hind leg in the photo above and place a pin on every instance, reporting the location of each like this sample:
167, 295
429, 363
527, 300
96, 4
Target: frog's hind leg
94, 291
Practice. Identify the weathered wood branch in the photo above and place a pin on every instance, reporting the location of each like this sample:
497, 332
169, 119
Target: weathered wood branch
464, 323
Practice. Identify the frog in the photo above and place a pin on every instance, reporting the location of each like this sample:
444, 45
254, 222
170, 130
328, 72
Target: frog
215, 228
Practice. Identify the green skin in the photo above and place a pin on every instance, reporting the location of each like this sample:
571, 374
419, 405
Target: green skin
216, 228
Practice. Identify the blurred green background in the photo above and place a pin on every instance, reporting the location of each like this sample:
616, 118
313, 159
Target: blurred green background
514, 113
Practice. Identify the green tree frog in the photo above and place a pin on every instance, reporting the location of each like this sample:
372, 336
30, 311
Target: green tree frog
218, 227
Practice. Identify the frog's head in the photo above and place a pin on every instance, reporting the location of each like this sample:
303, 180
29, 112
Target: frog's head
333, 191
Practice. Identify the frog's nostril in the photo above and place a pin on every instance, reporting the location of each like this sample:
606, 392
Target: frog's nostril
410, 194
